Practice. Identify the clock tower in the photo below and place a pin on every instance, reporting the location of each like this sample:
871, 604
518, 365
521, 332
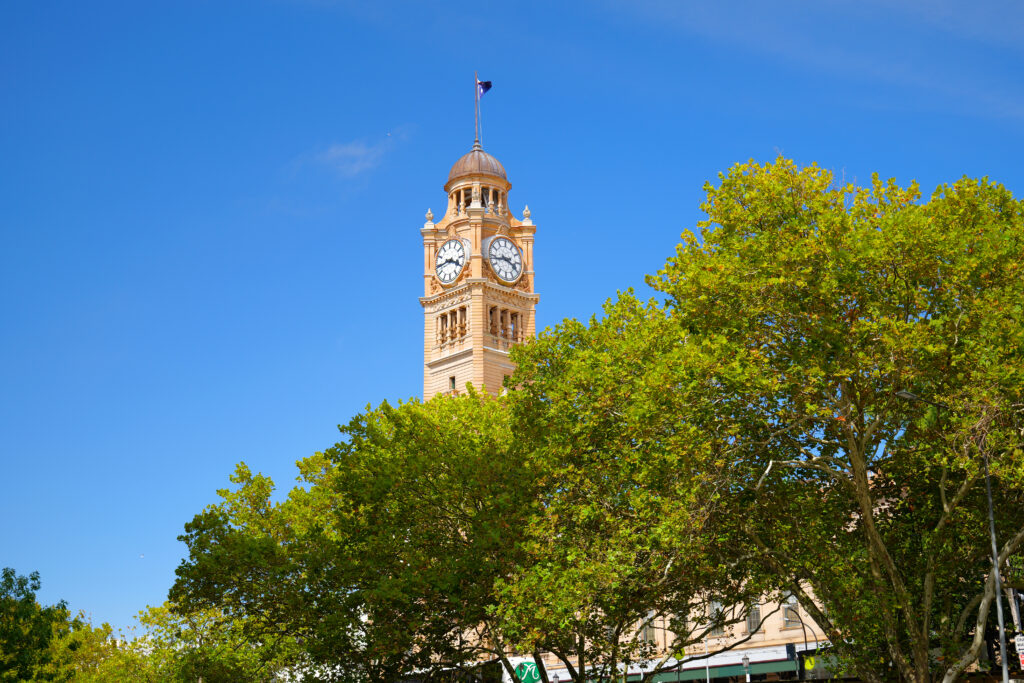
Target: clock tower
478, 298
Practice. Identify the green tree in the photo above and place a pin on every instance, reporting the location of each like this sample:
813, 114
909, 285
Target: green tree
630, 529
200, 645
205, 645
385, 560
26, 628
790, 326
79, 651
47, 644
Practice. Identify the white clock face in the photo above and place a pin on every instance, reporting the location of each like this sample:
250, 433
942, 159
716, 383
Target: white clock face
505, 259
451, 257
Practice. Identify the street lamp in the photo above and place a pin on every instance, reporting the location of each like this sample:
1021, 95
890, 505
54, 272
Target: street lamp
908, 396
746, 666
796, 610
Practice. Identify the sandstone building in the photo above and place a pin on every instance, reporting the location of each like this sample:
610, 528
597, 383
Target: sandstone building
478, 297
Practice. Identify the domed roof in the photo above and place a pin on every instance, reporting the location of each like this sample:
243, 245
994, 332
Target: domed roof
477, 162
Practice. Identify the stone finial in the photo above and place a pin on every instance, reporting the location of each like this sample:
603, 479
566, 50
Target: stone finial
430, 216
526, 215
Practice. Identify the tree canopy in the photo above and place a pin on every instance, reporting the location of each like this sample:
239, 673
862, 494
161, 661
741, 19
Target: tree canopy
27, 628
805, 409
816, 305
385, 560
629, 527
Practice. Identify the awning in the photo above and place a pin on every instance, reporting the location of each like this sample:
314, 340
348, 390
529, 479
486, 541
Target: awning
720, 671
763, 660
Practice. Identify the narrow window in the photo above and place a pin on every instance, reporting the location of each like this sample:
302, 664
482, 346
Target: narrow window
790, 610
451, 383
754, 619
715, 614
647, 633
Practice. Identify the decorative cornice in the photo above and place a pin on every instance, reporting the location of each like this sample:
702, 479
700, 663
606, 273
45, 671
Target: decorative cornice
491, 348
451, 296
451, 358
508, 295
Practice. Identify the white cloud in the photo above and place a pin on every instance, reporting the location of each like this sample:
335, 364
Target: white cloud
358, 157
352, 159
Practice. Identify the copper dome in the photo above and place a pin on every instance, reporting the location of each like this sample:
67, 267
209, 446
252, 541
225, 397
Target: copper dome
477, 162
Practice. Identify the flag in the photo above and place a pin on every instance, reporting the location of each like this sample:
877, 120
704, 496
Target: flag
482, 87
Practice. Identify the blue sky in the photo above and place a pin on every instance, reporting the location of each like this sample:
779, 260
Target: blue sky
210, 211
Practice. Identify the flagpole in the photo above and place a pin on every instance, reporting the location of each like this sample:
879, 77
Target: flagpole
476, 105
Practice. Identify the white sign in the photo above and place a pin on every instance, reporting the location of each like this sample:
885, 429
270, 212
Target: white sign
1019, 642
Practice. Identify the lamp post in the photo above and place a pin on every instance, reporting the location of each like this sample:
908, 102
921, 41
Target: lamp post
796, 610
746, 666
908, 396
707, 662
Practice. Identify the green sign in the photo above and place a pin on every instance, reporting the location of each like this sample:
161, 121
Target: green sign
527, 672
809, 663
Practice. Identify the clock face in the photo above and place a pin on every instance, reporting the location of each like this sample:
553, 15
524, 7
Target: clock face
451, 257
505, 259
